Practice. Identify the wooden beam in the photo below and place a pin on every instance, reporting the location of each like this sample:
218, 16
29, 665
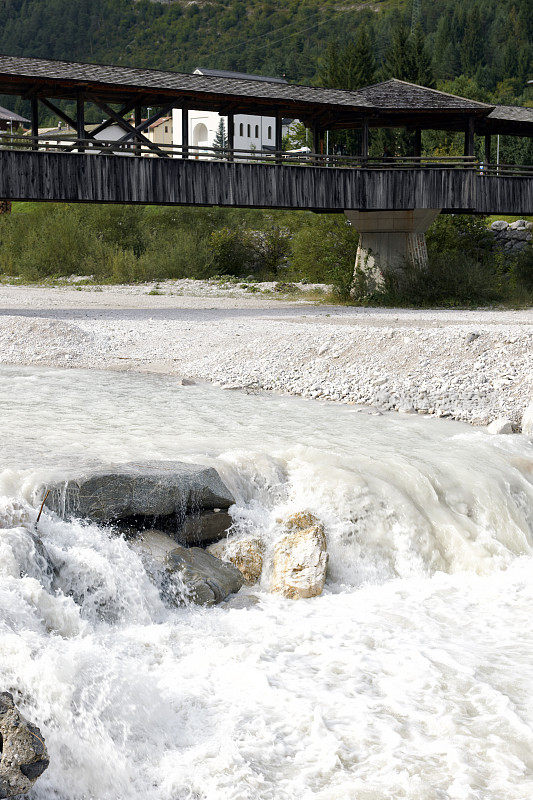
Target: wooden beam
185, 132
418, 143
316, 138
35, 123
279, 135
137, 117
364, 139
231, 135
469, 137
108, 122
71, 122
487, 148
80, 121
131, 132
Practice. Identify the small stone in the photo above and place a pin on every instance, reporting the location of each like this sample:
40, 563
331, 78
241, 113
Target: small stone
472, 337
246, 554
24, 757
520, 223
500, 425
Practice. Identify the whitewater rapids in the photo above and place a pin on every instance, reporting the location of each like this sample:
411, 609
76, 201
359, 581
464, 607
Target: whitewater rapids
411, 677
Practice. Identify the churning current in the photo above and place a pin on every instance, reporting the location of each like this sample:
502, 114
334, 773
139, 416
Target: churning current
410, 677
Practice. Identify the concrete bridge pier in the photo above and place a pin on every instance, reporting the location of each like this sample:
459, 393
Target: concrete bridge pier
387, 239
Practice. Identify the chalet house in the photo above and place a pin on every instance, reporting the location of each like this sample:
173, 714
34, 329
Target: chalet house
10, 121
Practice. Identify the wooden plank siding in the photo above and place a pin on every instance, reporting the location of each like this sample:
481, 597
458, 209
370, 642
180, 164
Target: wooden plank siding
74, 177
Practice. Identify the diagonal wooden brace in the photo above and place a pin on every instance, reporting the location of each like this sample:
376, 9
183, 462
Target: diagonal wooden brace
133, 133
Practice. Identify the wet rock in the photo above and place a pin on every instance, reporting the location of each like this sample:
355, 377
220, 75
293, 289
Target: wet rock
245, 553
153, 489
527, 420
24, 755
500, 425
207, 527
203, 579
300, 558
152, 544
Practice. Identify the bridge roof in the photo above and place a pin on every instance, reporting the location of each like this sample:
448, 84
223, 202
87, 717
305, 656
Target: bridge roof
60, 78
390, 103
110, 83
513, 120
396, 95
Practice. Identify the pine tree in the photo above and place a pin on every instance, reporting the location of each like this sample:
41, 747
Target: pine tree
364, 64
400, 62
472, 44
221, 140
422, 59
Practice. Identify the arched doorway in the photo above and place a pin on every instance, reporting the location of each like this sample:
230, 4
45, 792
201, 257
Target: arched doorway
200, 134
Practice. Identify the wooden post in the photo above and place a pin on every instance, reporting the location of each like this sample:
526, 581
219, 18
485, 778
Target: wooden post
487, 149
231, 136
137, 121
418, 143
279, 137
35, 123
469, 137
364, 140
185, 132
80, 121
316, 141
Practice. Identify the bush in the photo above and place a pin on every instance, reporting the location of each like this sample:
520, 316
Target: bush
325, 252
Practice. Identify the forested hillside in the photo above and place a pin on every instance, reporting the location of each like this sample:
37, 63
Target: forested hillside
487, 41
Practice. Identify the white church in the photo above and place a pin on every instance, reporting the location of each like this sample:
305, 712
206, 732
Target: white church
251, 132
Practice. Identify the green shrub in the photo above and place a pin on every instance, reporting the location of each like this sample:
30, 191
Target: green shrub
324, 252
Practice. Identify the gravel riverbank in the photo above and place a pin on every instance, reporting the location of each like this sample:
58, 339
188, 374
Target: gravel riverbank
473, 366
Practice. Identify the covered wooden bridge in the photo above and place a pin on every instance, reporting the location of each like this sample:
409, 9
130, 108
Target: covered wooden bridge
411, 190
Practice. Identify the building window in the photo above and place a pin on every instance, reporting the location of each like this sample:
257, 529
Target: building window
248, 130
257, 131
166, 128
241, 129
270, 131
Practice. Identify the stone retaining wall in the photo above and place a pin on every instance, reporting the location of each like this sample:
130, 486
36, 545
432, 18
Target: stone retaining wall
511, 236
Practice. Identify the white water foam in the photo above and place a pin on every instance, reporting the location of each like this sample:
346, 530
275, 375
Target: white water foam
411, 677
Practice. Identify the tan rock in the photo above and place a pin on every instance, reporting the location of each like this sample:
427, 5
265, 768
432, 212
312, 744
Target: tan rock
300, 560
301, 521
246, 554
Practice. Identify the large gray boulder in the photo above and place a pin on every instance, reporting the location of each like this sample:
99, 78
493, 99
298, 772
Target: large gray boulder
151, 489
202, 578
23, 752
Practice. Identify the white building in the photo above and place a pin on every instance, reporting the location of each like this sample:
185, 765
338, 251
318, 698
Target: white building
252, 132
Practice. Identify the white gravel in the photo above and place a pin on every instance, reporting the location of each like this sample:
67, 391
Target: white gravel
475, 366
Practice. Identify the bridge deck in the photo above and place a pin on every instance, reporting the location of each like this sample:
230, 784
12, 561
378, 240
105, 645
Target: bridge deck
78, 177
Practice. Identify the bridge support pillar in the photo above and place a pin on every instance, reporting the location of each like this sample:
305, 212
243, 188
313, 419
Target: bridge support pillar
387, 239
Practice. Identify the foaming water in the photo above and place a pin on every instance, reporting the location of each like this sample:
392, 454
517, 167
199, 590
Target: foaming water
409, 678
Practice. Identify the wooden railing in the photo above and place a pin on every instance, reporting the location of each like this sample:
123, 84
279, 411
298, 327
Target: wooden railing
138, 150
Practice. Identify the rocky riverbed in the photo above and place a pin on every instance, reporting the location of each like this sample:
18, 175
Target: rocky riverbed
474, 366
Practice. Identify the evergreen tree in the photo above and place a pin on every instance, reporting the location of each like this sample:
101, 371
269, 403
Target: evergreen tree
363, 68
221, 140
422, 59
400, 62
472, 44
350, 67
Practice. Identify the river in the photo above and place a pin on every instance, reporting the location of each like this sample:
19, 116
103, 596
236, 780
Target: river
410, 677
